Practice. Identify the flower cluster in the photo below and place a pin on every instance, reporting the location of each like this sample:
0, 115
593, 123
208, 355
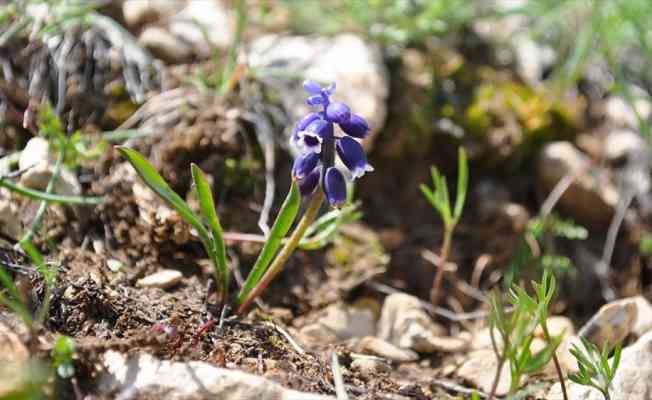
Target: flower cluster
314, 136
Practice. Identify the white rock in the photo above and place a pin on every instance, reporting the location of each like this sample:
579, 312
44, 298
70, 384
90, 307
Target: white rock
612, 323
139, 12
620, 113
643, 322
13, 358
592, 197
405, 323
204, 24
165, 45
153, 211
531, 58
480, 369
368, 366
9, 215
381, 348
340, 322
557, 324
622, 143
143, 376
633, 379
163, 279
39, 162
356, 67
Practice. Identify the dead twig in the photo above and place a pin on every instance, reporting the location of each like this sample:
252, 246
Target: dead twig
338, 379
436, 310
457, 388
287, 336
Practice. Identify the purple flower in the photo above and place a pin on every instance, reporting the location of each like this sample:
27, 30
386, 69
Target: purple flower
334, 187
311, 87
310, 139
308, 185
315, 139
304, 165
338, 112
356, 126
352, 155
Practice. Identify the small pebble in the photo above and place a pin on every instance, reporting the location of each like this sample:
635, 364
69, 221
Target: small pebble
163, 279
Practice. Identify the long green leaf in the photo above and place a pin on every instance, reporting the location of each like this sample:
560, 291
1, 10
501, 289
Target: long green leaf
53, 198
462, 184
156, 182
281, 227
207, 205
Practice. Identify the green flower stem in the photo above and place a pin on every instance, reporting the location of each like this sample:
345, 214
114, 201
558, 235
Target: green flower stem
443, 258
560, 375
293, 241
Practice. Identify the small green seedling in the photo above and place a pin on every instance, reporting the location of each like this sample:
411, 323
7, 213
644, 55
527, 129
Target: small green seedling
594, 367
439, 198
517, 331
62, 357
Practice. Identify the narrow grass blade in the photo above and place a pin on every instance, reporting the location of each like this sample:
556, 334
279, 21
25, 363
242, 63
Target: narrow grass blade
52, 198
281, 227
462, 184
207, 205
13, 301
156, 182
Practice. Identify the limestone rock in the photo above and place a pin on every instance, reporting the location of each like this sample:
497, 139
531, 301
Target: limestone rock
612, 323
139, 12
381, 348
205, 25
404, 323
340, 322
355, 65
480, 370
13, 359
592, 197
144, 376
633, 379
163, 279
39, 163
165, 45
623, 143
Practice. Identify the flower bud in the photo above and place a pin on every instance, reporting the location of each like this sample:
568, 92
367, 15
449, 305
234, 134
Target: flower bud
338, 112
335, 187
356, 126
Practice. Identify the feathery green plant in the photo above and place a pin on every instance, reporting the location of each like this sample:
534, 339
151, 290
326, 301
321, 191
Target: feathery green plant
516, 330
594, 367
439, 198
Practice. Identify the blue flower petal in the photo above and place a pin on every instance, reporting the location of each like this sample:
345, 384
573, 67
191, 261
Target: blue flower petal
315, 100
338, 112
311, 87
304, 165
352, 155
308, 185
335, 187
356, 126
310, 139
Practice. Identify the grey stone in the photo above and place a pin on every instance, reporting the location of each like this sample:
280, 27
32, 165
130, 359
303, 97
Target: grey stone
144, 376
633, 379
355, 65
381, 348
39, 163
592, 197
163, 279
165, 45
405, 323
